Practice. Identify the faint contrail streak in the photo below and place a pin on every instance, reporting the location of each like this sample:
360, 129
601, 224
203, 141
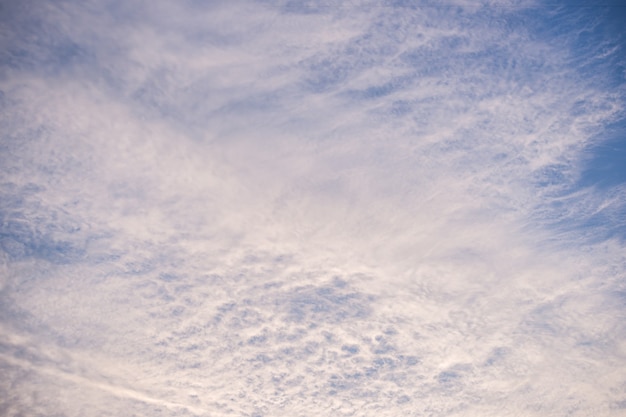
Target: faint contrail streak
111, 389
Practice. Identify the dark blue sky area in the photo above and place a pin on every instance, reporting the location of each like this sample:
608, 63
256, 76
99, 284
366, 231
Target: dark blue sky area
606, 165
606, 161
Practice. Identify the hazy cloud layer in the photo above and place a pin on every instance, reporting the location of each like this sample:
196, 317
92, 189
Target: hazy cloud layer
302, 208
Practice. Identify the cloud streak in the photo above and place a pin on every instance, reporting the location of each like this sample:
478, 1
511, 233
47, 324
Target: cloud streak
287, 209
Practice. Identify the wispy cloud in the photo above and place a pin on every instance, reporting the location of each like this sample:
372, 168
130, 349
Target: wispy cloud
261, 208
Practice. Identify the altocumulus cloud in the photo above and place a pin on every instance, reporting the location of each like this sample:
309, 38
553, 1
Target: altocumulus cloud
283, 208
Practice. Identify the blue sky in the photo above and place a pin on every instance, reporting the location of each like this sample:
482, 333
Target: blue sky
281, 208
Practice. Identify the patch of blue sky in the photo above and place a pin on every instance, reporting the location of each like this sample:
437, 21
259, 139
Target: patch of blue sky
603, 174
605, 160
377, 91
595, 50
52, 53
606, 224
23, 237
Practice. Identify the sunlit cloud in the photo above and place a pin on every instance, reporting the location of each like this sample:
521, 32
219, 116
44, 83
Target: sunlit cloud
299, 208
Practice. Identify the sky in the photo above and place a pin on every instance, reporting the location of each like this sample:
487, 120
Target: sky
306, 208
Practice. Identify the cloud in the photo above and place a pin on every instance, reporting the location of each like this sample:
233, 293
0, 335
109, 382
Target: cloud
284, 209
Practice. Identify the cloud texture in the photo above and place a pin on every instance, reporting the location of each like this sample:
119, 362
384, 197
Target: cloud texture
303, 208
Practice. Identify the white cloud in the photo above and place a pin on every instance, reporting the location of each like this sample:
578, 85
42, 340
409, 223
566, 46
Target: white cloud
247, 209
